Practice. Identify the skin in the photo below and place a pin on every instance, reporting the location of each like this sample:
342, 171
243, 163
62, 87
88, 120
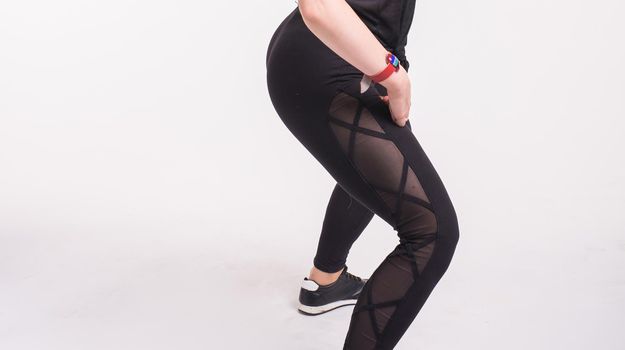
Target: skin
336, 24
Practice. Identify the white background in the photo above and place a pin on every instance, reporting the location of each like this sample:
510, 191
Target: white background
150, 197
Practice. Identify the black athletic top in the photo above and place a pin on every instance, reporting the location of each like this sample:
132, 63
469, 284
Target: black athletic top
389, 20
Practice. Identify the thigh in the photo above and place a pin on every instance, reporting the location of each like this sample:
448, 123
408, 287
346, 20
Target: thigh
383, 155
352, 135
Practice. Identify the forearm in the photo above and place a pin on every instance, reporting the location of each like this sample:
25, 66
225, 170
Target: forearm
336, 24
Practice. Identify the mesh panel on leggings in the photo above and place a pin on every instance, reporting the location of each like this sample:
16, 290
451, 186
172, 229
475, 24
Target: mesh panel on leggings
382, 165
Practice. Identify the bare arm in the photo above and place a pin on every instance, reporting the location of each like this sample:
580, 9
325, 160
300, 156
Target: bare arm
336, 24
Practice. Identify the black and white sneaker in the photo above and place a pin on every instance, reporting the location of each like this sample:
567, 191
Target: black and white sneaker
315, 299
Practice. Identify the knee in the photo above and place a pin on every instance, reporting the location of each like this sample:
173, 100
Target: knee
419, 225
448, 228
422, 231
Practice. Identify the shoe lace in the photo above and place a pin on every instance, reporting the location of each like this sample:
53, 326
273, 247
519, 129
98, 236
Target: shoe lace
353, 277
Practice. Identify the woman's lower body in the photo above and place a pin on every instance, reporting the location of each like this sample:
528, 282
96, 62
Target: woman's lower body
380, 168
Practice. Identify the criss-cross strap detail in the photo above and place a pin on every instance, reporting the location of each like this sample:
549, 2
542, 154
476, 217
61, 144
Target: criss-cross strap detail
384, 168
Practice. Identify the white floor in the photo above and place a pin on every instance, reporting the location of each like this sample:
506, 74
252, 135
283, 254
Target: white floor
168, 280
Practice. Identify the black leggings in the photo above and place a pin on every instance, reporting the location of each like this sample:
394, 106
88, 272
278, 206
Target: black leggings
380, 168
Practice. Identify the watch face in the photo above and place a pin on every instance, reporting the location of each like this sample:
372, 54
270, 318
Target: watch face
393, 60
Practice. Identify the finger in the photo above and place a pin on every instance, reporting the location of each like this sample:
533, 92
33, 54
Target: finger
401, 121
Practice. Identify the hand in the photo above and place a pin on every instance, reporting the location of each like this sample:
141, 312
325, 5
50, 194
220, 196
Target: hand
399, 95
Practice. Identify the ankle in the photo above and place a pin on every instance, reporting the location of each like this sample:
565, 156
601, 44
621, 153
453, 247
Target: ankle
323, 278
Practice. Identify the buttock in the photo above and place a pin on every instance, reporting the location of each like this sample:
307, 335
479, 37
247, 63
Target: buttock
297, 59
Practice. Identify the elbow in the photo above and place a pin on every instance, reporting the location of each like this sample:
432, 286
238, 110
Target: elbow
312, 10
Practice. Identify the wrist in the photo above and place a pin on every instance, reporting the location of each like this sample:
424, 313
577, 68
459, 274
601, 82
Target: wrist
391, 67
396, 80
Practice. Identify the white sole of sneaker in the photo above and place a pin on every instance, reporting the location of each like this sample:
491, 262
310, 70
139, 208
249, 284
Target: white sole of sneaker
317, 310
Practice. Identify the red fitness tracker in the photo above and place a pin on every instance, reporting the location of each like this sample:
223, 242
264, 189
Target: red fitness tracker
391, 67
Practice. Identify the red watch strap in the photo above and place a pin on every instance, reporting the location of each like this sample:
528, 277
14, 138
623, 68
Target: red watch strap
391, 67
